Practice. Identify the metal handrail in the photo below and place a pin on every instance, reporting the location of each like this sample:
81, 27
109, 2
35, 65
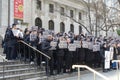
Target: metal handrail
36, 49
115, 61
117, 66
90, 69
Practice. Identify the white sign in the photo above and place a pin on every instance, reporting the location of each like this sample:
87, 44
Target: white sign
111, 53
90, 45
96, 48
78, 44
33, 37
45, 34
16, 32
53, 44
62, 44
85, 44
34, 28
72, 47
107, 60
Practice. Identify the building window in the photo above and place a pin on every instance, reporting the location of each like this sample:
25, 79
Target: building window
80, 16
62, 27
62, 12
38, 22
72, 28
71, 13
39, 5
80, 29
51, 25
51, 8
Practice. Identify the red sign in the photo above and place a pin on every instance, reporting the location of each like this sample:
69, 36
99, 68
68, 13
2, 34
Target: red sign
18, 9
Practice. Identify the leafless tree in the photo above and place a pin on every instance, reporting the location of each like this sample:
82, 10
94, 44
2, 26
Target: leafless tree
100, 20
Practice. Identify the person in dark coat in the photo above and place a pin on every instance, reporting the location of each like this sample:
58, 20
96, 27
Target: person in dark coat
60, 56
24, 48
69, 58
6, 39
7, 45
33, 42
46, 49
104, 48
12, 41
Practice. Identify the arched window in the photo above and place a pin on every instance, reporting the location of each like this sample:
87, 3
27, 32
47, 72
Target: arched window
62, 27
51, 25
72, 28
38, 22
80, 29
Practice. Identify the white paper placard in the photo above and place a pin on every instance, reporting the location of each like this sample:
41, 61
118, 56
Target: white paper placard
96, 48
53, 44
77, 43
45, 33
90, 45
107, 60
16, 32
62, 44
33, 37
72, 47
111, 53
85, 44
34, 28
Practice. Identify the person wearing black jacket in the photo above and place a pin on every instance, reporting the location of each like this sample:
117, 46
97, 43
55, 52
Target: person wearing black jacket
33, 42
104, 48
60, 56
26, 49
46, 49
7, 43
11, 39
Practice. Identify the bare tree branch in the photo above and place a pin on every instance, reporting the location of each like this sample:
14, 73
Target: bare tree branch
75, 21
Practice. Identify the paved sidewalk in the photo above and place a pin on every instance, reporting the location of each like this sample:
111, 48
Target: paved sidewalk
112, 75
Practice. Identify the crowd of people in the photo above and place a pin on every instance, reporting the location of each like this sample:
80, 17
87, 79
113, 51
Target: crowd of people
64, 49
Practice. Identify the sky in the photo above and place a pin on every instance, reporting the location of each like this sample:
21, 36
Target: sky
109, 2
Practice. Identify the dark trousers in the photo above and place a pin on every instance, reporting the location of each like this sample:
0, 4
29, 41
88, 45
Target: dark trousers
8, 53
60, 63
49, 63
13, 52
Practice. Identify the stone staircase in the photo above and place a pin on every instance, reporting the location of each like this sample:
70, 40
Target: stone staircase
16, 70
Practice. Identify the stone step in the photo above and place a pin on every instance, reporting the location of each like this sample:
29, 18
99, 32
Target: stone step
38, 78
11, 62
18, 71
23, 76
15, 66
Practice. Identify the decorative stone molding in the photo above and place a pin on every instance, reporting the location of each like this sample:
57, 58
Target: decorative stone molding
39, 12
63, 18
52, 16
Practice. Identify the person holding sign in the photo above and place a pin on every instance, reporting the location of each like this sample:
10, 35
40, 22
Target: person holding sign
69, 57
87, 52
114, 56
15, 37
11, 40
106, 62
46, 49
96, 52
89, 55
62, 44
33, 42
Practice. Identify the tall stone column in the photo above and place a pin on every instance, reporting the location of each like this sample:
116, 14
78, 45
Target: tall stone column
0, 11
